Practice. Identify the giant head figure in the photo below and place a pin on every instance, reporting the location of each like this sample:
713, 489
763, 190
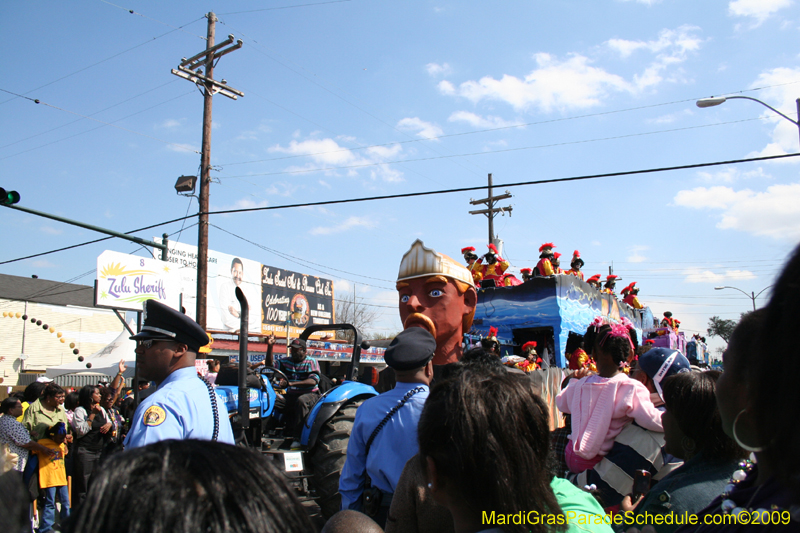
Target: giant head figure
438, 294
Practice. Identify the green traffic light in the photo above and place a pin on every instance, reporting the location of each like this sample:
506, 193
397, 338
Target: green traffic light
8, 197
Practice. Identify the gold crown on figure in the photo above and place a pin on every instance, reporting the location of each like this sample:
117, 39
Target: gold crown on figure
420, 261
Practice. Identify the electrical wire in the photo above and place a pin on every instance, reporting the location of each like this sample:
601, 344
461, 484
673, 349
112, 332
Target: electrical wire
284, 7
91, 115
37, 101
488, 130
102, 61
300, 261
508, 185
432, 193
176, 28
489, 152
323, 87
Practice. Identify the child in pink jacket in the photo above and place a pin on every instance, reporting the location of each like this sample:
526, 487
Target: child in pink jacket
602, 405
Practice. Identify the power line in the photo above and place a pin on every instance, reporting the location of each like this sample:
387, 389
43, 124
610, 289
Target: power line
102, 61
37, 101
284, 7
362, 165
95, 113
256, 47
176, 28
517, 184
297, 260
488, 130
432, 193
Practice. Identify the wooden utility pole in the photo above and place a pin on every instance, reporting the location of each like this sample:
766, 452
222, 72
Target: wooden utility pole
191, 69
492, 211
205, 181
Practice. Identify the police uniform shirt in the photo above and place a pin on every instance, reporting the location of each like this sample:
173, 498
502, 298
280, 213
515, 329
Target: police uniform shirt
392, 448
179, 409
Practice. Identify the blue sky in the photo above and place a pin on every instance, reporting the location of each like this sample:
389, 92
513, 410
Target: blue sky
353, 98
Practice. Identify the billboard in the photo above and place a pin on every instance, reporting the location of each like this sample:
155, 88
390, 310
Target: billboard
126, 281
278, 298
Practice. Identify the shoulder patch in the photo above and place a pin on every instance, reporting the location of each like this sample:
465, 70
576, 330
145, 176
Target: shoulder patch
154, 416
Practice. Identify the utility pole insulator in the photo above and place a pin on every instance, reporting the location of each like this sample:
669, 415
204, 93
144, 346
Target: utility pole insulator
492, 211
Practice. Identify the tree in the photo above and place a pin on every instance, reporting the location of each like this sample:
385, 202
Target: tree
721, 327
352, 310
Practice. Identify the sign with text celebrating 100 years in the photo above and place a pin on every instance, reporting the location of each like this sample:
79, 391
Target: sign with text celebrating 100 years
126, 281
278, 298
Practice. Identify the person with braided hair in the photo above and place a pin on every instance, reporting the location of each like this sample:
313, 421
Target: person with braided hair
603, 405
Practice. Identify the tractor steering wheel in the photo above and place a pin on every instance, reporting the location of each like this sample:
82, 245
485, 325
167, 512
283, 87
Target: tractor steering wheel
274, 376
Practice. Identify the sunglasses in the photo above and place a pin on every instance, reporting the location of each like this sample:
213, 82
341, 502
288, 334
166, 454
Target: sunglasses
149, 342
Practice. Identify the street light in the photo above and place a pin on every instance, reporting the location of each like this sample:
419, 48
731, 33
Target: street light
711, 102
750, 295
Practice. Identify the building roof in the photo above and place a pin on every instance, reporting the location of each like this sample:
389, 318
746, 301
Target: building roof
45, 291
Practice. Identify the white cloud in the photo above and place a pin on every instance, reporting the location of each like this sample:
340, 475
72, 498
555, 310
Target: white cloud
646, 2
635, 256
781, 95
772, 213
478, 121
674, 43
183, 148
385, 151
732, 174
51, 230
672, 117
572, 83
171, 123
758, 9
696, 275
350, 223
434, 69
325, 153
446, 88
575, 82
244, 203
426, 130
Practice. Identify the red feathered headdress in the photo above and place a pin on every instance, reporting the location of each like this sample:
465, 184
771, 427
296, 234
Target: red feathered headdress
557, 255
493, 248
596, 277
546, 245
612, 277
493, 331
576, 255
467, 249
529, 344
524, 270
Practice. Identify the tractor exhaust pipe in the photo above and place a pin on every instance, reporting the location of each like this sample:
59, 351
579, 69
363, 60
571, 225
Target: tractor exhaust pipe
244, 398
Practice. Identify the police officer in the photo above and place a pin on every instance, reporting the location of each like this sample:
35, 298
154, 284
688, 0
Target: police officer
184, 406
387, 425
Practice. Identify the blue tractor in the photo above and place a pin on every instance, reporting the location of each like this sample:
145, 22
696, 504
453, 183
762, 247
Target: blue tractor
326, 431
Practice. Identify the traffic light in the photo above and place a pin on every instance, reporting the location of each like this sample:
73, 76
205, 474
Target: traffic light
8, 197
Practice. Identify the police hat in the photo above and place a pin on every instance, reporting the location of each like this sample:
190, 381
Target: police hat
411, 349
164, 323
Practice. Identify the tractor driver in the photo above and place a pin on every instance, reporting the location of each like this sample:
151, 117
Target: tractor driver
303, 387
438, 294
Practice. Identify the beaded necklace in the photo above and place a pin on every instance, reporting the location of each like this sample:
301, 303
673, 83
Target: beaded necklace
728, 506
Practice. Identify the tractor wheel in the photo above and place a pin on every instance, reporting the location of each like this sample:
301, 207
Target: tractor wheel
328, 456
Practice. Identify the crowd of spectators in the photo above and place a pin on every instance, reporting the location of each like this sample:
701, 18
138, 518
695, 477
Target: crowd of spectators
716, 451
